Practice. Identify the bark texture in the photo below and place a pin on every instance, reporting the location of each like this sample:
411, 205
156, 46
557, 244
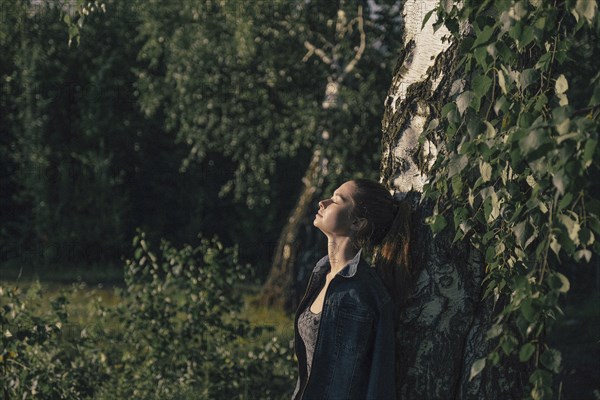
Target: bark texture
442, 331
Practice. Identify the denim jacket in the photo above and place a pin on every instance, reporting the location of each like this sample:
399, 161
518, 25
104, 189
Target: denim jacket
354, 355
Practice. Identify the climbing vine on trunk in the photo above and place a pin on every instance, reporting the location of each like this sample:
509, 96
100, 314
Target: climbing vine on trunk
516, 174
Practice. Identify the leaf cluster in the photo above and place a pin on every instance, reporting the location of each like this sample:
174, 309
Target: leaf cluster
516, 177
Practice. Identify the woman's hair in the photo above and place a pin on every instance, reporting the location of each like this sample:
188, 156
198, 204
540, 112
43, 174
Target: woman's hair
388, 230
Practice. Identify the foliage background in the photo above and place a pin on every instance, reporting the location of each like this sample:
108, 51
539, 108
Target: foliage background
515, 177
190, 120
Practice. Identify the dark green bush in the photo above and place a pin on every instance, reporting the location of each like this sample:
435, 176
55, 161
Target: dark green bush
177, 333
42, 357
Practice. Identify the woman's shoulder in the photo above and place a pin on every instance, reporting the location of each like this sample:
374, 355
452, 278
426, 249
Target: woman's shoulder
375, 285
366, 288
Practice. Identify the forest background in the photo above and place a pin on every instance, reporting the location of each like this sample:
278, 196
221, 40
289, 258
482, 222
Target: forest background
164, 122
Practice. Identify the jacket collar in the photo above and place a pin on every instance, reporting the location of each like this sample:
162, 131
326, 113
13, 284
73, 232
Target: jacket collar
348, 271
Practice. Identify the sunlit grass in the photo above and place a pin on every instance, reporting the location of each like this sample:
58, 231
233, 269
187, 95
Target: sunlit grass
85, 301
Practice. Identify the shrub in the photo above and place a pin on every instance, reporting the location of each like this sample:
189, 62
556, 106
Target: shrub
177, 333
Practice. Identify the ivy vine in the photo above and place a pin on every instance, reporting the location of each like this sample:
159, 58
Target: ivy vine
517, 172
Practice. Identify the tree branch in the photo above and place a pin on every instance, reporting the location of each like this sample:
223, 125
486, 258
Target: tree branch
361, 49
315, 50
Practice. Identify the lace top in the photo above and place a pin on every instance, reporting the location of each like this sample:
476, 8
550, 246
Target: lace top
308, 327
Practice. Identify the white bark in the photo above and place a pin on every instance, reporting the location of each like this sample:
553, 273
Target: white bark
442, 330
423, 46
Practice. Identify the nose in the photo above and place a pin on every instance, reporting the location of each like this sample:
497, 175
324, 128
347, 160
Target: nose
322, 204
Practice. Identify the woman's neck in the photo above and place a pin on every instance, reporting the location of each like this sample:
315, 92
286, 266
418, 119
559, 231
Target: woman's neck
340, 253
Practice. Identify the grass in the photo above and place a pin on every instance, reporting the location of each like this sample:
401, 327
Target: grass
576, 335
282, 323
84, 297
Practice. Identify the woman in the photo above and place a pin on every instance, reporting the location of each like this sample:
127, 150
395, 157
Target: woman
344, 325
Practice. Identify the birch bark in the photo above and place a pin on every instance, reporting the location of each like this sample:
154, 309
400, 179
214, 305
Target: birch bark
442, 331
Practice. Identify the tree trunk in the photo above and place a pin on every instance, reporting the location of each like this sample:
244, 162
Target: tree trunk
442, 330
283, 288
280, 290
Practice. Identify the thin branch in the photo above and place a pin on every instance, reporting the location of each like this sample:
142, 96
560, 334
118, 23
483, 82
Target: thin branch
361, 49
315, 50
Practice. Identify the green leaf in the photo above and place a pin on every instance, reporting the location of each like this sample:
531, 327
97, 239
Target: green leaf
501, 105
460, 215
456, 164
528, 310
437, 222
565, 201
563, 127
561, 85
502, 83
434, 123
476, 368
457, 185
554, 245
544, 61
481, 54
551, 359
586, 236
448, 107
540, 23
533, 140
540, 102
483, 36
559, 282
490, 131
527, 77
527, 36
583, 254
586, 9
490, 254
481, 85
560, 181
494, 331
506, 53
494, 358
526, 352
521, 232
491, 204
540, 375
572, 227
463, 101
588, 152
508, 344
515, 31
426, 18
485, 170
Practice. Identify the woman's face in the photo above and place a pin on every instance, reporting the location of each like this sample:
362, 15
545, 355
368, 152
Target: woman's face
334, 217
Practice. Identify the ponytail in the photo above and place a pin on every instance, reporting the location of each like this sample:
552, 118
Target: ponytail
393, 261
388, 234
